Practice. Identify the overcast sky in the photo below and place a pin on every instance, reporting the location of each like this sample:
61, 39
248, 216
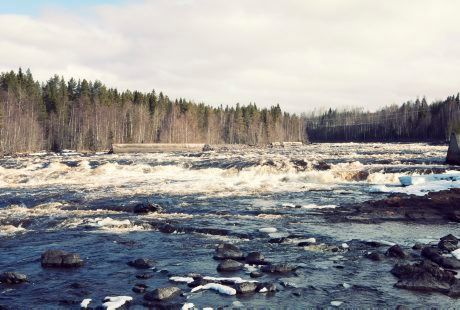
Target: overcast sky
298, 53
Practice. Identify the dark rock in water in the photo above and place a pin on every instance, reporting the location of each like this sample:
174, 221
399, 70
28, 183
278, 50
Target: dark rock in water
198, 281
322, 166
207, 148
375, 256
418, 246
12, 278
166, 228
423, 276
61, 259
451, 238
228, 251
270, 287
144, 208
163, 293
256, 274
277, 240
141, 263
146, 275
435, 255
278, 268
447, 246
255, 258
396, 251
245, 287
140, 288
229, 265
306, 243
448, 243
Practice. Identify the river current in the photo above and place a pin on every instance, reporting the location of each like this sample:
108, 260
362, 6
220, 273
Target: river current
82, 203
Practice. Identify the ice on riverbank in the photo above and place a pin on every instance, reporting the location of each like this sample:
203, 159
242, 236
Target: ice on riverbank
420, 185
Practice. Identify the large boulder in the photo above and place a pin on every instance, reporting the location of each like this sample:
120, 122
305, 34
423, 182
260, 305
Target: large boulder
228, 251
141, 263
12, 278
163, 293
229, 265
61, 259
435, 255
424, 276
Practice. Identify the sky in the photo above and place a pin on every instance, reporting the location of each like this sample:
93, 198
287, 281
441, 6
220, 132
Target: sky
302, 54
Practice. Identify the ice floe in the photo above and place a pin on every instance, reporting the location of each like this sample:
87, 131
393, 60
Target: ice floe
85, 302
222, 289
115, 302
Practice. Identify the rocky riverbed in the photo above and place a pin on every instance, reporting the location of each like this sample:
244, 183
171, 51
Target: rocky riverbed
321, 225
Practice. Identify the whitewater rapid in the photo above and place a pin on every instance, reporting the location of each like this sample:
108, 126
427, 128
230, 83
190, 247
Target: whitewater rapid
235, 172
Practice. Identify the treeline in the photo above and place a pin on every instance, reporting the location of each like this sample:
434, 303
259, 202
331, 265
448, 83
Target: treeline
414, 121
84, 115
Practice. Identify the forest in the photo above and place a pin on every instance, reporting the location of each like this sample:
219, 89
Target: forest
89, 116
413, 121
84, 115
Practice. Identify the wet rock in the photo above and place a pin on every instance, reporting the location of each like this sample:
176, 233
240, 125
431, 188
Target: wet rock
448, 243
255, 258
396, 251
207, 148
144, 208
12, 278
245, 287
418, 246
141, 263
229, 265
266, 287
375, 256
146, 275
423, 276
166, 228
163, 293
278, 268
228, 251
140, 288
322, 166
61, 259
256, 274
435, 255
198, 281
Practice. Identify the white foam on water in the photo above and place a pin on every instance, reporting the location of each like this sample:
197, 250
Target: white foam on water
6, 230
165, 176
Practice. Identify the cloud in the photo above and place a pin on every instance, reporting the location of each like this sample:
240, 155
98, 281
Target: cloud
301, 54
